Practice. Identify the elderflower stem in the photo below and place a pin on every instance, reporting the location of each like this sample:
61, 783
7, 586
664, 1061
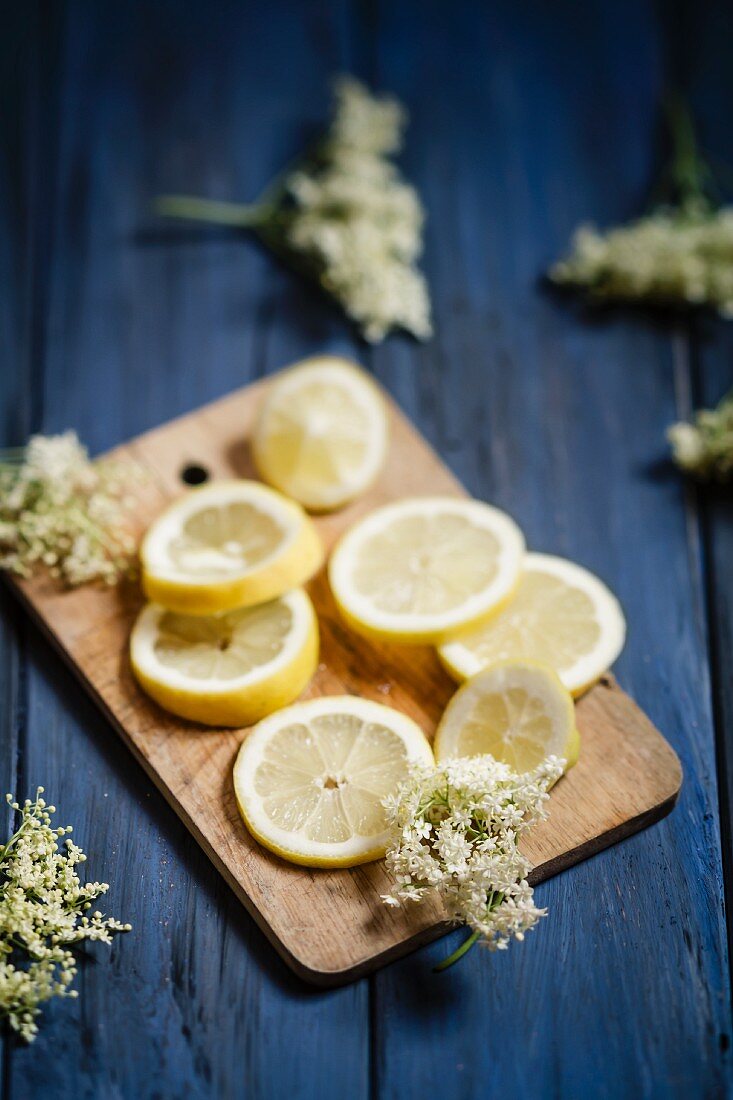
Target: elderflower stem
458, 953
191, 208
688, 173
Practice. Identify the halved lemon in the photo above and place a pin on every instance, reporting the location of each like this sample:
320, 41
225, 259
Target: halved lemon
321, 436
228, 545
310, 779
561, 615
230, 669
425, 568
518, 711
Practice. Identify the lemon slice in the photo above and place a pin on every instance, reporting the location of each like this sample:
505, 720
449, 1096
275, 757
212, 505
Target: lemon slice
560, 615
230, 669
425, 568
230, 544
518, 711
310, 779
322, 432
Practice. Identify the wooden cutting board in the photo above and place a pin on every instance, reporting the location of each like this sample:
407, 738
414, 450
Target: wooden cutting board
331, 926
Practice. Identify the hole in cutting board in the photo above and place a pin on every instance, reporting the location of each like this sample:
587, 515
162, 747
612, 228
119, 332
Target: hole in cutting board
193, 474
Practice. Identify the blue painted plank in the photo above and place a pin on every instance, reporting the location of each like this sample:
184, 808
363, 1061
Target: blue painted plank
194, 1002
705, 66
527, 120
554, 419
21, 86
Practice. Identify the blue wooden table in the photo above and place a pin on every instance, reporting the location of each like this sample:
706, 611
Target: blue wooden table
526, 119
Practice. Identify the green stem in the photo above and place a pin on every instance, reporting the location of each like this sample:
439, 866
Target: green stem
16, 835
241, 215
458, 953
254, 215
688, 172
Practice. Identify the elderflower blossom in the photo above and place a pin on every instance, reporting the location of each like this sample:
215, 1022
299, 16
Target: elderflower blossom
344, 216
62, 511
669, 258
705, 447
455, 834
44, 911
358, 220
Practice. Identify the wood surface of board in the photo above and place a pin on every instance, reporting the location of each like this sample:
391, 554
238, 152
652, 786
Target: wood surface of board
331, 926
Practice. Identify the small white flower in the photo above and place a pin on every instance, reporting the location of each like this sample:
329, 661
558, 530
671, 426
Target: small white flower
705, 447
687, 445
455, 833
671, 257
41, 906
60, 510
358, 221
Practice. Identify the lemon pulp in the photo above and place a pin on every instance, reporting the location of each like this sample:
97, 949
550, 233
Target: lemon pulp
424, 568
518, 712
560, 615
224, 647
321, 436
228, 545
222, 540
230, 669
310, 780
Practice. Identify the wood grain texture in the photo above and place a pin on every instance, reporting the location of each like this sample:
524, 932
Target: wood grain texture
525, 120
330, 927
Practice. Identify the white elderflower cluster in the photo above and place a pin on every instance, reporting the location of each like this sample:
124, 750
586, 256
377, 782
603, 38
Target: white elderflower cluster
705, 447
366, 124
672, 257
44, 910
357, 220
456, 831
344, 216
62, 511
